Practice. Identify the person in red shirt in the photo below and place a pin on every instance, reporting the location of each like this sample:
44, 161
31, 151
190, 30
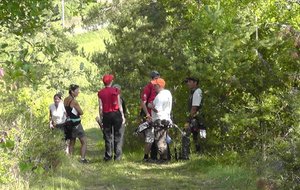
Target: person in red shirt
147, 96
112, 118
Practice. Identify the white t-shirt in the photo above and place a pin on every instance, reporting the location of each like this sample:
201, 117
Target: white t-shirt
58, 114
197, 97
163, 104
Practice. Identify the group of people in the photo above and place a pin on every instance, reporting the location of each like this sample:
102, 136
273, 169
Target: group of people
156, 107
156, 103
65, 115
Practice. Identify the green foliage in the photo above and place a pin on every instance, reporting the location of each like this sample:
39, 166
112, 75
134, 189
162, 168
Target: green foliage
245, 54
38, 61
26, 16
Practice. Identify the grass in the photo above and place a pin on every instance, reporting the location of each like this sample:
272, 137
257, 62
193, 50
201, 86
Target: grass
130, 173
92, 41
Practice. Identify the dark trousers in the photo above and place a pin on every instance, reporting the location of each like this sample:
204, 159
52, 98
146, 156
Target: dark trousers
186, 143
113, 132
154, 150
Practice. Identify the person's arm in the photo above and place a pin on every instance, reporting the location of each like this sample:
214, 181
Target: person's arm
65, 113
152, 107
100, 113
197, 98
144, 97
50, 118
144, 107
121, 108
77, 107
193, 111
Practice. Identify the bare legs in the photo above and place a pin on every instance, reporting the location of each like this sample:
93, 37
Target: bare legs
83, 148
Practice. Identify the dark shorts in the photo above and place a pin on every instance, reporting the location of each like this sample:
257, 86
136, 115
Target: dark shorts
72, 132
60, 126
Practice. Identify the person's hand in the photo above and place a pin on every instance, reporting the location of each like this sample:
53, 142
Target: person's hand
99, 121
151, 106
51, 126
123, 120
148, 118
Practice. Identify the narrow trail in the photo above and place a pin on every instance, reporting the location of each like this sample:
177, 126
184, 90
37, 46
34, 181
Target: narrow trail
132, 173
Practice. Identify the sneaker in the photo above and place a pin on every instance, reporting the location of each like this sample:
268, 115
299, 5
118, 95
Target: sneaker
83, 161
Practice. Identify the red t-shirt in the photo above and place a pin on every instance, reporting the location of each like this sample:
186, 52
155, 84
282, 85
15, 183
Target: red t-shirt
109, 98
148, 94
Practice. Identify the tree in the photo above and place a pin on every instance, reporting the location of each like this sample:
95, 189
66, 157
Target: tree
245, 54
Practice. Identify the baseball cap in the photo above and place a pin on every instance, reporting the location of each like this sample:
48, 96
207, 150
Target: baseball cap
154, 74
117, 86
161, 82
107, 79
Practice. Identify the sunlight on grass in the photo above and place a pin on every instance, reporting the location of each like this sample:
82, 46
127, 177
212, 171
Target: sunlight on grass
201, 172
92, 41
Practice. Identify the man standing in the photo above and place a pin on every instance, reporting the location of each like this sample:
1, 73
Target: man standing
161, 116
112, 118
194, 124
147, 96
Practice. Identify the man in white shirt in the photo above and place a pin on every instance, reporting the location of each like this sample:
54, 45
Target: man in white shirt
161, 113
194, 124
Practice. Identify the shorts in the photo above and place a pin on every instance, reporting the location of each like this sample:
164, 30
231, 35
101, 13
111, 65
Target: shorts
78, 131
72, 132
149, 135
60, 126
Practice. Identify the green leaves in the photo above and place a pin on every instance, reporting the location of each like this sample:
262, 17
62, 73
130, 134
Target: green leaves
25, 167
24, 17
7, 144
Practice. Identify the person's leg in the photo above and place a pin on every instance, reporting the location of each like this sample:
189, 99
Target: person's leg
118, 135
68, 139
79, 133
196, 140
83, 141
149, 139
67, 146
147, 148
154, 151
71, 145
162, 144
185, 145
107, 135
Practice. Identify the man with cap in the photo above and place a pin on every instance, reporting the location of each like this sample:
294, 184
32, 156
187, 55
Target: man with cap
112, 118
122, 99
147, 96
194, 124
161, 116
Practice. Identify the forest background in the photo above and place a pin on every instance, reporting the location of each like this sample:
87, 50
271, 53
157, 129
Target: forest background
245, 53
